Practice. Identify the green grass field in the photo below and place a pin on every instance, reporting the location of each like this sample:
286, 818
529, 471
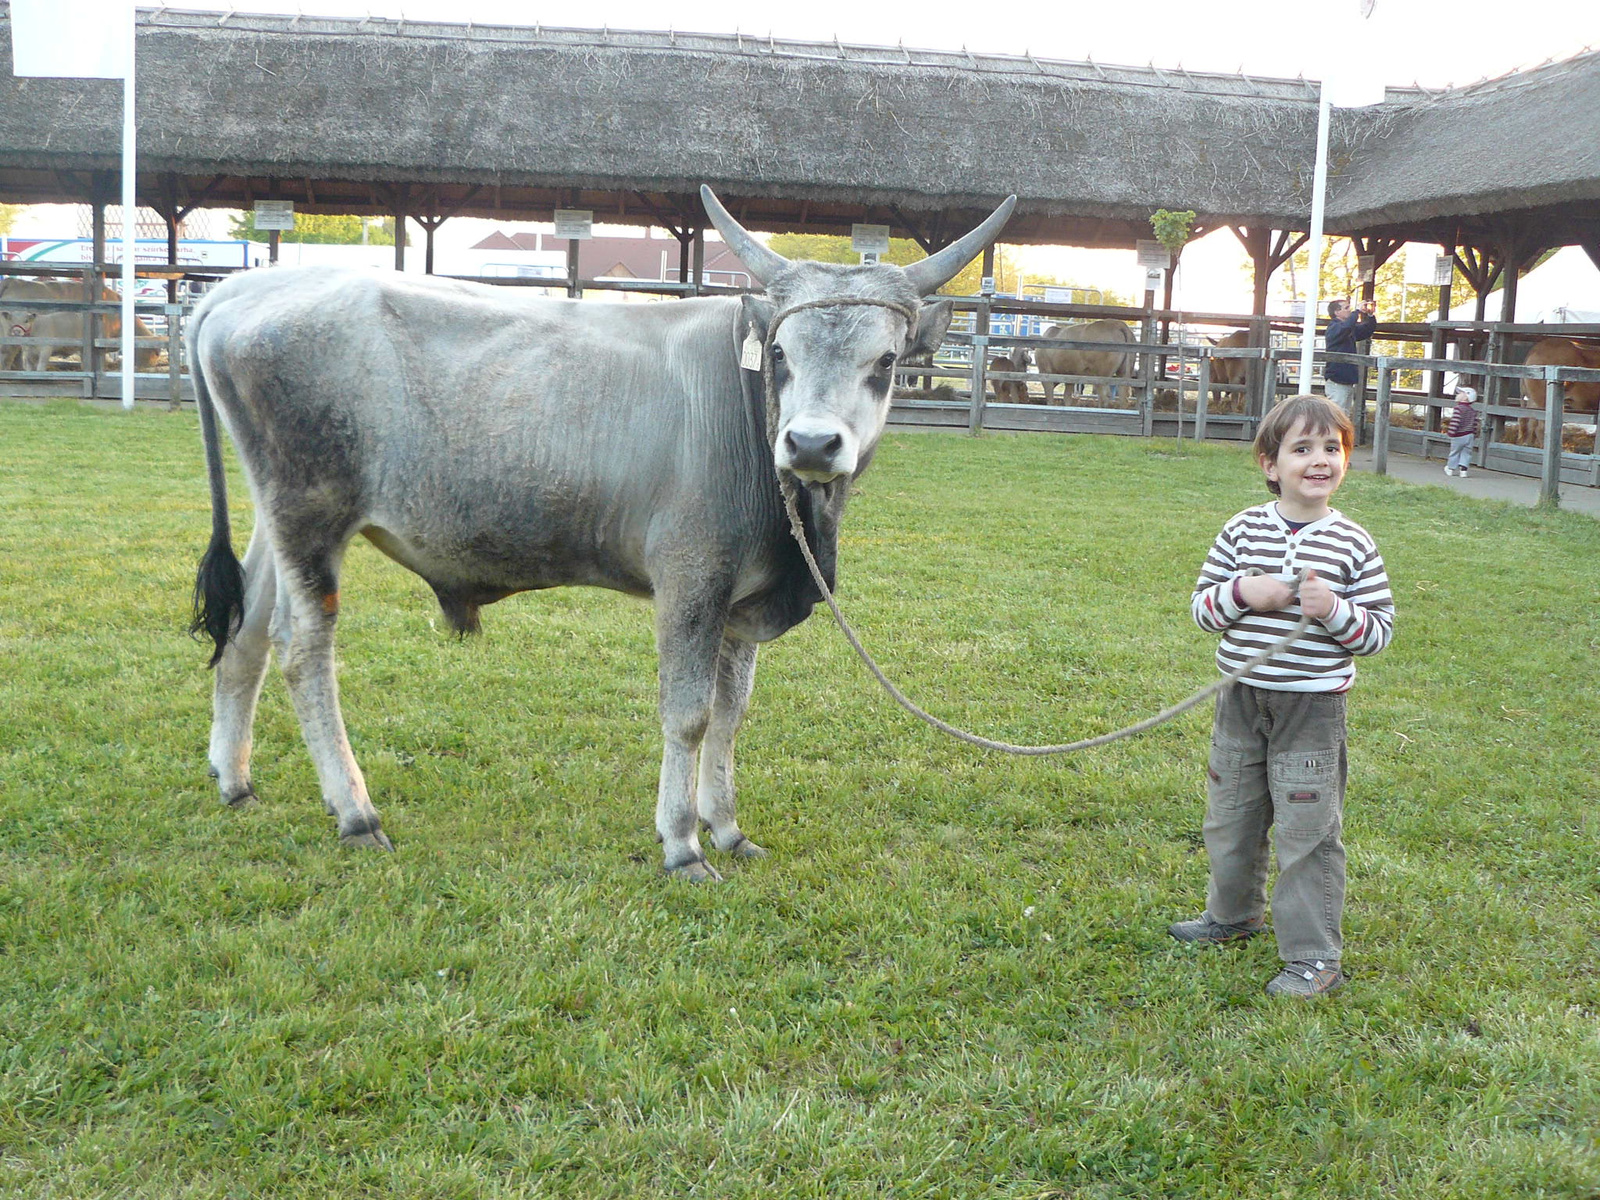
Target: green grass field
950, 979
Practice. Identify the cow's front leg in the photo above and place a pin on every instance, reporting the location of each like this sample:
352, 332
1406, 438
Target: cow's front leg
239, 674
714, 797
302, 633
688, 634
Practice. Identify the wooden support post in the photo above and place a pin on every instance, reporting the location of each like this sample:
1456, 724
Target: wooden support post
1203, 400
574, 288
174, 357
400, 232
1380, 424
980, 356
91, 326
1554, 405
699, 258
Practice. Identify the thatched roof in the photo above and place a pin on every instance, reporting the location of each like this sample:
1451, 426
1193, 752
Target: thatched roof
347, 115
1525, 141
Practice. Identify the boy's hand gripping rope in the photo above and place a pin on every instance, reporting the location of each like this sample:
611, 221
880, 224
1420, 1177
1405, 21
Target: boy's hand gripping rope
789, 486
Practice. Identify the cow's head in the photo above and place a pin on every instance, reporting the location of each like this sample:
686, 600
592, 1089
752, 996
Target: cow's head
833, 366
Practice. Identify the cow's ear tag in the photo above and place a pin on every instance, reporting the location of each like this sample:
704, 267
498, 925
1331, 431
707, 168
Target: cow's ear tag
750, 352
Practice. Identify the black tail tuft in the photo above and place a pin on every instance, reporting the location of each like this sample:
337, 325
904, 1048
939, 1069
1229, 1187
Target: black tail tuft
218, 597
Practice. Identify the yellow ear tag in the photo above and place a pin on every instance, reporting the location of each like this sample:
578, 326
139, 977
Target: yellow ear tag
750, 352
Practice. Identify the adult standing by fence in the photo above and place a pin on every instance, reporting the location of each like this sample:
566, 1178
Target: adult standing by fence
1462, 430
1346, 327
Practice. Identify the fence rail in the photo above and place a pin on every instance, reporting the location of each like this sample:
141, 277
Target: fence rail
1170, 384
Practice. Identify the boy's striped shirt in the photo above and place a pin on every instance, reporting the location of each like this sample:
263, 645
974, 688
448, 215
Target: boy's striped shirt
1341, 552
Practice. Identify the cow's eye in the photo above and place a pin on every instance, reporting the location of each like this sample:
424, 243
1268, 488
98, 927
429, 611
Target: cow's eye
777, 353
886, 361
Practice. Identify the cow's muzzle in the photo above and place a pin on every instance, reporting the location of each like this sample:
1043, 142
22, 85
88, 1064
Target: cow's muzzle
813, 457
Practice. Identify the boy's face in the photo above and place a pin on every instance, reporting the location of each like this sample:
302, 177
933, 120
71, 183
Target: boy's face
1308, 469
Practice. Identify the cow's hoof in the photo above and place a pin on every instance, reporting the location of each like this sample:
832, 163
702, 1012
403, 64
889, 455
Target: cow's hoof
241, 799
696, 871
745, 848
369, 838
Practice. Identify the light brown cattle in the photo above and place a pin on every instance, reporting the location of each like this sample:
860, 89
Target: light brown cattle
1578, 397
60, 331
1010, 391
1229, 370
1113, 362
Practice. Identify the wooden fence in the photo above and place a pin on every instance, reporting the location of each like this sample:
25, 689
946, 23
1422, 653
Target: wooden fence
1169, 392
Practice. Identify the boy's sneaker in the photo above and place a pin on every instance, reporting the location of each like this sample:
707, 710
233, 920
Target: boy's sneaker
1205, 931
1449, 470
1461, 472
1306, 979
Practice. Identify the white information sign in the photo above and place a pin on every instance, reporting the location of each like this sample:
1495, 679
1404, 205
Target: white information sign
1153, 256
1057, 295
274, 214
1444, 270
869, 239
574, 223
1369, 267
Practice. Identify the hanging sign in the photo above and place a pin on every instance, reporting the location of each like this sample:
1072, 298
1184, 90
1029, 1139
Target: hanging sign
1153, 256
274, 214
574, 223
1369, 267
1444, 270
869, 239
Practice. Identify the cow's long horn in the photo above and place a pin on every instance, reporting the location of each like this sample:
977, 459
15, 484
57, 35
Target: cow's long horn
933, 272
764, 264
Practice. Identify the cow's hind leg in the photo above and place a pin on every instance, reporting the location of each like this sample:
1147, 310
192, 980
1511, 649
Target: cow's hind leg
239, 673
714, 796
302, 633
688, 636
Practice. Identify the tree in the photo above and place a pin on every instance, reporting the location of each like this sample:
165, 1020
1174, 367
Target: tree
1008, 273
323, 230
8, 216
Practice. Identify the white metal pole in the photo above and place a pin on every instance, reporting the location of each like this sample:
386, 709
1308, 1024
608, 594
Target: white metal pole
129, 215
1319, 187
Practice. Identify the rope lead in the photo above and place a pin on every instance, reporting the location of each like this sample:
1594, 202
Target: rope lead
789, 486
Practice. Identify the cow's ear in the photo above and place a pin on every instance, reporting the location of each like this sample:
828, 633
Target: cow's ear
757, 315
932, 321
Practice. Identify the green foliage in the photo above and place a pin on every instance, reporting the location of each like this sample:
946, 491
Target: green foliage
950, 980
1172, 228
8, 217
902, 252
339, 230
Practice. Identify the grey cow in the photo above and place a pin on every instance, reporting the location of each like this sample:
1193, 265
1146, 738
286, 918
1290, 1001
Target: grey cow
495, 443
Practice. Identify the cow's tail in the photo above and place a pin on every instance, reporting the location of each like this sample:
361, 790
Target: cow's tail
219, 584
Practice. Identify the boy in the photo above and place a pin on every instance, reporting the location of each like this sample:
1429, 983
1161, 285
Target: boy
1278, 756
1462, 429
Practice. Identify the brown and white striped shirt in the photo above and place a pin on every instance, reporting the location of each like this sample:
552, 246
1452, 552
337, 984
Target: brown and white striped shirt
1342, 553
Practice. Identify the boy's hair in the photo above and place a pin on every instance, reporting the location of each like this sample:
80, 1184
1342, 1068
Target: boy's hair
1334, 306
1320, 414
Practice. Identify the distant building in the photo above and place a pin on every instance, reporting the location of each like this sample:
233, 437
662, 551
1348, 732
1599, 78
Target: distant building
654, 258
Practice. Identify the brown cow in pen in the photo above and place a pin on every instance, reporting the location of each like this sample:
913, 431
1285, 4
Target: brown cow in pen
1010, 391
1229, 371
1578, 397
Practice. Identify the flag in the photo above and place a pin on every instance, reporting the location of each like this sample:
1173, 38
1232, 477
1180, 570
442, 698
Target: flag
72, 39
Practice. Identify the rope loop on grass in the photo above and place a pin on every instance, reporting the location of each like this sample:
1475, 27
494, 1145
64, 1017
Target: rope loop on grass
789, 485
